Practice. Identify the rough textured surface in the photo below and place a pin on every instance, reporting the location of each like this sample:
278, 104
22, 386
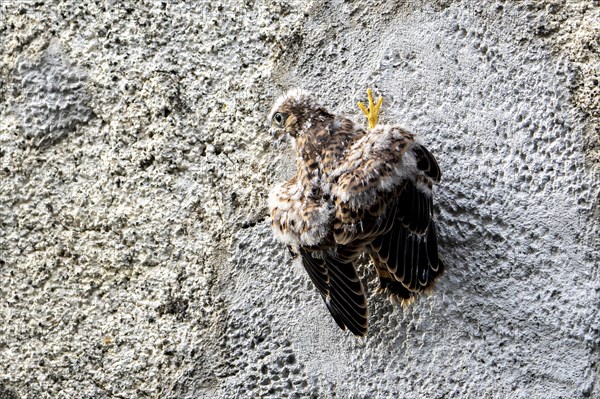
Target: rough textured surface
136, 258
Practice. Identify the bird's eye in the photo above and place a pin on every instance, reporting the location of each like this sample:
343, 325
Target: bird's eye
279, 119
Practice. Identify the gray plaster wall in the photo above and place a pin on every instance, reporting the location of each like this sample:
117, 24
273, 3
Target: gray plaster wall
136, 256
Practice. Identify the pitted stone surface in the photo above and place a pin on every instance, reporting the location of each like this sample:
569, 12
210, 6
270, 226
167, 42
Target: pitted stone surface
136, 256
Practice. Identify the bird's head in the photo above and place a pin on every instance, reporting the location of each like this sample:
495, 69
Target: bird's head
294, 113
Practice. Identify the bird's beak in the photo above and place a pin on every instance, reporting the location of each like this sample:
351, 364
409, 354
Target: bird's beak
275, 133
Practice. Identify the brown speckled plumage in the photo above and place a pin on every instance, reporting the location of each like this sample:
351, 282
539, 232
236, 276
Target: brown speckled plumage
356, 191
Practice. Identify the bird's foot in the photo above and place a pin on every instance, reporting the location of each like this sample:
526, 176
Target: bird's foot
372, 112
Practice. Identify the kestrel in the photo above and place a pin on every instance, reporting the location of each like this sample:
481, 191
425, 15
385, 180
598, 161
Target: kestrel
356, 191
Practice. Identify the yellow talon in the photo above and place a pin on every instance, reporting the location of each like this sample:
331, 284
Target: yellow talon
372, 113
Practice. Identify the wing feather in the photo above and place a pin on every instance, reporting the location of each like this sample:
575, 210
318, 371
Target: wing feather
407, 255
432, 253
317, 272
340, 287
426, 162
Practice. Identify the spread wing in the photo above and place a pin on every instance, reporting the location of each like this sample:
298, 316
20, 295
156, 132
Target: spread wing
305, 224
384, 200
406, 256
334, 275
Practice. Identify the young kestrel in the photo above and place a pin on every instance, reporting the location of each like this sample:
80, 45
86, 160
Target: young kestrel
355, 192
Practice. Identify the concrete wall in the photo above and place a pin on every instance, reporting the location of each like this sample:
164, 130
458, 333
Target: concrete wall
136, 257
